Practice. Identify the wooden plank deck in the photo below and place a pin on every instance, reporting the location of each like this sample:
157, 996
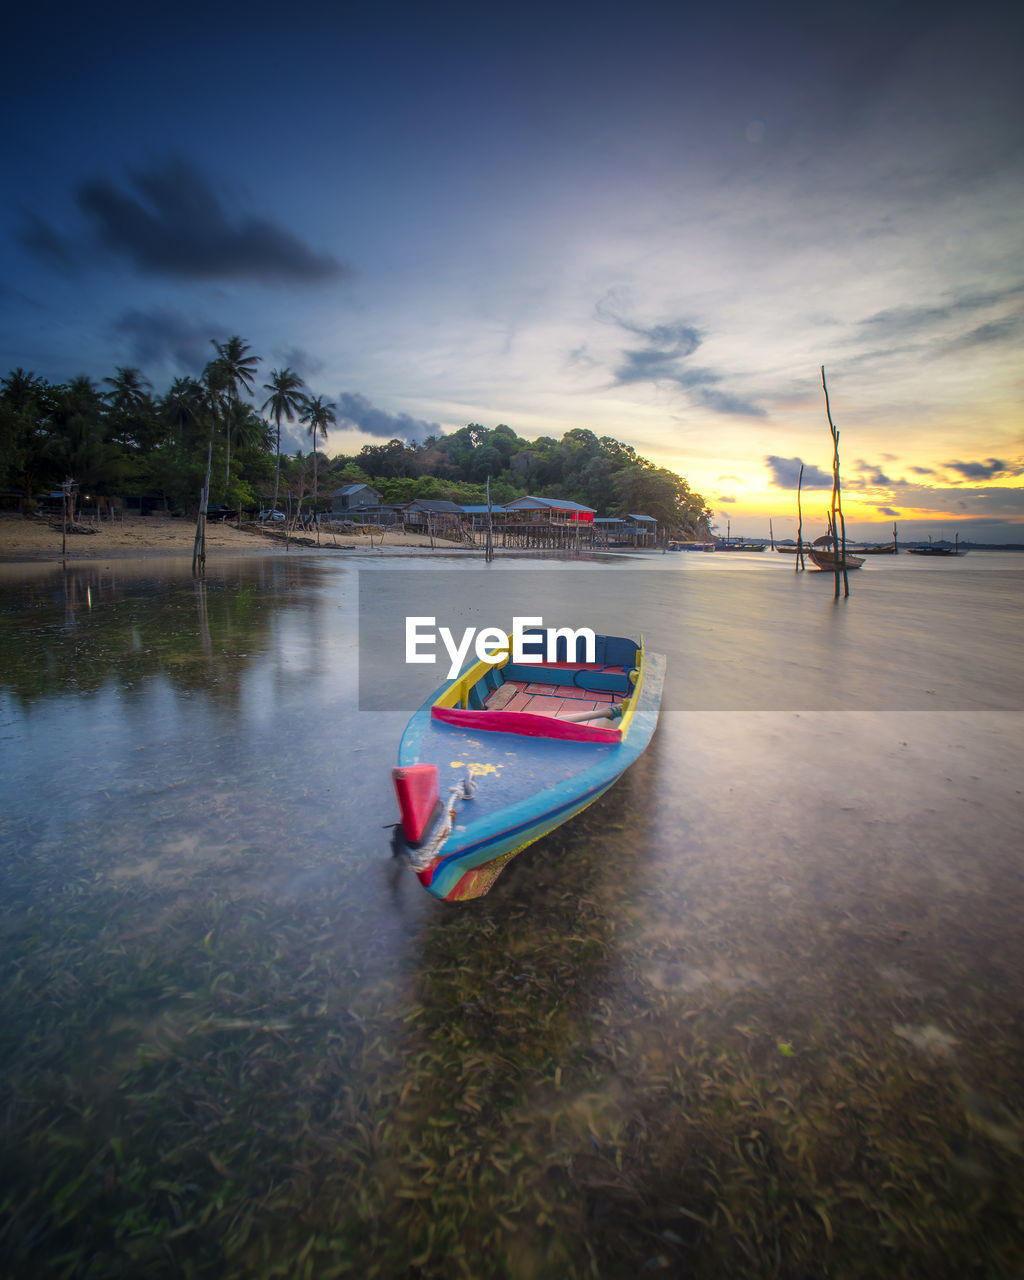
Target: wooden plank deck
541, 699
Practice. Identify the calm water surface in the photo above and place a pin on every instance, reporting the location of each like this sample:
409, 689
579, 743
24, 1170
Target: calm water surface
758, 1012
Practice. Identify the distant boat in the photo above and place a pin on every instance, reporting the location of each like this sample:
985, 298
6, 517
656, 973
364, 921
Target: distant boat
825, 559
930, 550
740, 546
890, 550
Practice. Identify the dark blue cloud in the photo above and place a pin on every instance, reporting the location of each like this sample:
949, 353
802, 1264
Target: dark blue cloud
652, 365
356, 412
175, 225
163, 336
786, 474
659, 359
727, 403
662, 358
983, 470
39, 238
887, 511
907, 320
302, 362
169, 221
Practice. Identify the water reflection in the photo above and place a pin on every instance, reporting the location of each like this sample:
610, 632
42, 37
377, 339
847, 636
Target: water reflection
90, 626
755, 1012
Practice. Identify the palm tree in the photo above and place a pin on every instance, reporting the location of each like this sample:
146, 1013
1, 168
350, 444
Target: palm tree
25, 402
318, 415
238, 368
75, 441
131, 415
285, 401
128, 390
183, 406
20, 389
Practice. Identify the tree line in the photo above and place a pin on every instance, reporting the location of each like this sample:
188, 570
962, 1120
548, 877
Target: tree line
220, 434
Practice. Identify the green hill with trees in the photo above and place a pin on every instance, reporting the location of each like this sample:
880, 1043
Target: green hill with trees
120, 438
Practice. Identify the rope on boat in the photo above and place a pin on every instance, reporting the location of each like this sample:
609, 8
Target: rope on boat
613, 712
421, 858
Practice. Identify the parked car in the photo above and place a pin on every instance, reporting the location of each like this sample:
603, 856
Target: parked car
272, 515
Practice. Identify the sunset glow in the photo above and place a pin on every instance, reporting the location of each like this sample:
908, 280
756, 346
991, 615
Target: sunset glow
653, 224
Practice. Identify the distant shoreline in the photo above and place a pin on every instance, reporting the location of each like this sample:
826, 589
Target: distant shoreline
158, 537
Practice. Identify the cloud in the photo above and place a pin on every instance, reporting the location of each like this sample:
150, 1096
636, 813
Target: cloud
923, 471
165, 336
983, 470
580, 356
871, 474
993, 333
301, 362
666, 345
655, 365
995, 500
40, 238
725, 497
660, 359
661, 363
295, 439
728, 403
954, 324
786, 474
356, 412
911, 320
888, 511
172, 223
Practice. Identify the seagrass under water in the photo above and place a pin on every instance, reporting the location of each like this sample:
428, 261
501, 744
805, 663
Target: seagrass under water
756, 1012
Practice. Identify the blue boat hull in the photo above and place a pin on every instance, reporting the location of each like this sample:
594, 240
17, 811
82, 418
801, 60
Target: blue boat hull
526, 786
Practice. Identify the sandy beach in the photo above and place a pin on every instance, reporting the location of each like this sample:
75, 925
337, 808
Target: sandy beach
22, 540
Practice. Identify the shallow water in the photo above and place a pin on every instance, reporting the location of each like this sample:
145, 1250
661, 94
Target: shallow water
756, 1012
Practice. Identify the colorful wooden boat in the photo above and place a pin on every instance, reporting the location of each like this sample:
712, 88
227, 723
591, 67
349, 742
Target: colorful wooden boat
507, 752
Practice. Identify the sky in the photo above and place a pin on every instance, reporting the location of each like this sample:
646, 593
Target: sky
655, 220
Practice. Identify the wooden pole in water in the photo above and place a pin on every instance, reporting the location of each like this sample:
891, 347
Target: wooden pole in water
199, 546
838, 555
771, 532
798, 560
65, 490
